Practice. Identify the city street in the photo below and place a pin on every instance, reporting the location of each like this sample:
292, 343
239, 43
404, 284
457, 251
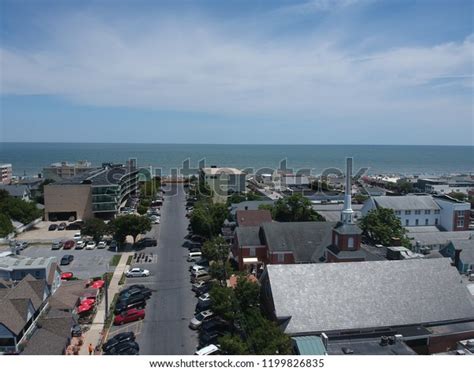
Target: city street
165, 329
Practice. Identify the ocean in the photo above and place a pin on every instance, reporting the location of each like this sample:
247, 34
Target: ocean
29, 158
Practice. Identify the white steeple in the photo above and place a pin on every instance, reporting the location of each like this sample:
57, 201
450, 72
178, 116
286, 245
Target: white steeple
347, 215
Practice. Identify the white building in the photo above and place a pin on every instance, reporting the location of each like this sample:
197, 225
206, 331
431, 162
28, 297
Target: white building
423, 210
223, 181
5, 173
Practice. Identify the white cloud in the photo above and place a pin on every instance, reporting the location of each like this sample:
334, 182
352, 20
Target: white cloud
195, 65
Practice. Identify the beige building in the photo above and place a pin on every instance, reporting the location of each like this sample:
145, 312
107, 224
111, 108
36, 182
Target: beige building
5, 173
97, 193
223, 181
64, 170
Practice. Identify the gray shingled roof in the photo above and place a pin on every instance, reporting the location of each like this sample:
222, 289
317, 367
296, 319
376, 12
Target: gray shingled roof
408, 202
248, 236
332, 297
467, 247
15, 190
307, 240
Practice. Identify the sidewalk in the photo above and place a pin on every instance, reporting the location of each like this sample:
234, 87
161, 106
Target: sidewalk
94, 334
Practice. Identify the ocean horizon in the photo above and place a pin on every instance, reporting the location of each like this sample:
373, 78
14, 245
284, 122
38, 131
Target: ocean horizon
29, 158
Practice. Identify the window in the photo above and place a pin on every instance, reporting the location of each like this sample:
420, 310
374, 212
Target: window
252, 251
397, 212
416, 222
350, 243
37, 274
436, 211
460, 223
427, 212
417, 212
460, 213
406, 222
426, 221
336, 240
280, 258
407, 212
436, 221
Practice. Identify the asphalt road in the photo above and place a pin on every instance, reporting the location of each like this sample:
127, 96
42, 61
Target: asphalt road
165, 329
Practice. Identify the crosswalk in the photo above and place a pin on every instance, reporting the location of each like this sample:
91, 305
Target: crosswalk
145, 258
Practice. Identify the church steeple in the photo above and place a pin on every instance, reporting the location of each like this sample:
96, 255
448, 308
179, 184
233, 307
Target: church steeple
347, 214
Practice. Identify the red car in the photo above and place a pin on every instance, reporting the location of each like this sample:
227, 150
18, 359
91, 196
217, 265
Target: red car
129, 316
67, 275
97, 284
89, 302
68, 245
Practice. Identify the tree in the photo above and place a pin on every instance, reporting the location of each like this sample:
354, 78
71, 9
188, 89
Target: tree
129, 225
294, 208
142, 209
224, 303
233, 345
216, 249
247, 292
94, 228
404, 187
19, 210
458, 196
6, 226
361, 198
207, 218
381, 225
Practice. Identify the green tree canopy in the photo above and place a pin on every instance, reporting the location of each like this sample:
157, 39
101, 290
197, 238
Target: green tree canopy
19, 210
381, 225
95, 228
247, 292
207, 218
129, 225
458, 196
294, 208
233, 345
224, 303
6, 226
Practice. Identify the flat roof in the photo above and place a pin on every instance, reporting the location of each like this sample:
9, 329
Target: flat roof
221, 170
12, 262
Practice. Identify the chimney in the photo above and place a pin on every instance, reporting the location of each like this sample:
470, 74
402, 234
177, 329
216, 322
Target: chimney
457, 253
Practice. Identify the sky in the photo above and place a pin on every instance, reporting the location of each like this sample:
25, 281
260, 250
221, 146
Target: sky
240, 72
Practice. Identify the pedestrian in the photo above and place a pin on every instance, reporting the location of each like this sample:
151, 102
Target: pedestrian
91, 349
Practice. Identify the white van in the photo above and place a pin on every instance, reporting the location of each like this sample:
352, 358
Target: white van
208, 351
194, 256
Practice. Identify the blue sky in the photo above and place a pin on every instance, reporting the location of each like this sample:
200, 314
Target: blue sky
313, 71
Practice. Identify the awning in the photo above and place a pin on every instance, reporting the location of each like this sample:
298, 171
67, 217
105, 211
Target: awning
309, 345
250, 260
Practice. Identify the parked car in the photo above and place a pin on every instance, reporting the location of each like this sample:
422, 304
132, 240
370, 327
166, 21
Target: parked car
90, 245
194, 256
67, 259
208, 351
203, 262
197, 238
69, 244
102, 244
67, 276
196, 267
199, 318
22, 245
210, 337
137, 272
62, 226
52, 227
56, 245
203, 289
129, 348
216, 324
113, 244
123, 337
199, 285
80, 244
129, 315
201, 275
128, 293
205, 297
155, 220
202, 306
76, 331
147, 242
135, 302
77, 236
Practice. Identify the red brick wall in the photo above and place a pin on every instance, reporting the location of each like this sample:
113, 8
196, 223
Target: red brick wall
288, 259
343, 241
466, 221
442, 343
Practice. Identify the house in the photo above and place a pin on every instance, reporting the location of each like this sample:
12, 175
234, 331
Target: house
222, 181
17, 267
462, 254
19, 191
435, 240
411, 298
21, 304
252, 218
412, 210
281, 243
249, 205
